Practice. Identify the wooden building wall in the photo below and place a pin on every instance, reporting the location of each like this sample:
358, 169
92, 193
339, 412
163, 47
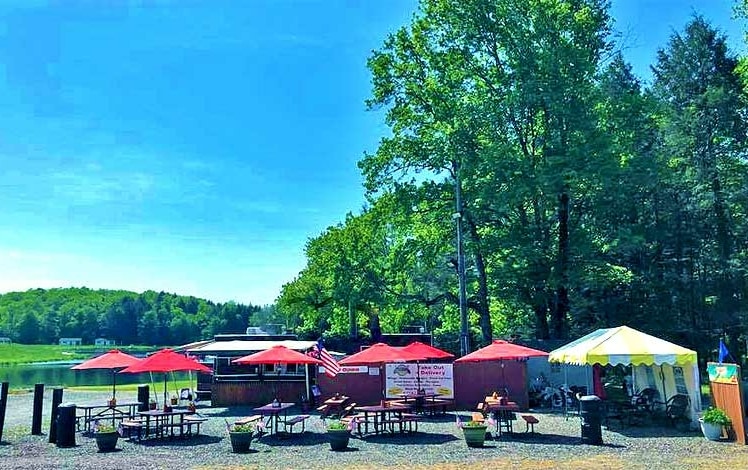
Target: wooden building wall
256, 393
364, 389
476, 380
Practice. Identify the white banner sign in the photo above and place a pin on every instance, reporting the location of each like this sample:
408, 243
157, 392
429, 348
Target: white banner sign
405, 378
352, 369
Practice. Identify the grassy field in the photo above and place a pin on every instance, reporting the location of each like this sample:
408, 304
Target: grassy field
28, 353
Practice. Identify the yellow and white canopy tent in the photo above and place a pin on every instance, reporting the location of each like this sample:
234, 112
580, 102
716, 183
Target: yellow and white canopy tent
655, 363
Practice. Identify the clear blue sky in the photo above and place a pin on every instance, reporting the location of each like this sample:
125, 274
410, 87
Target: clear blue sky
195, 146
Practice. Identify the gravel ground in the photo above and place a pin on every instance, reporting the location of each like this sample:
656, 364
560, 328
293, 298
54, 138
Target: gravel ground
437, 445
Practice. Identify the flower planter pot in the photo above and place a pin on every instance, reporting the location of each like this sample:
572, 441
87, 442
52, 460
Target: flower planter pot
711, 431
106, 441
174, 401
338, 438
240, 441
475, 436
152, 405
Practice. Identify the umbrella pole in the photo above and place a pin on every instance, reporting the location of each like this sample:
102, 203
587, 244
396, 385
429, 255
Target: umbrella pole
306, 382
114, 384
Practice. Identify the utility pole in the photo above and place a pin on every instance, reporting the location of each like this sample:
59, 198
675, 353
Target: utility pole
464, 337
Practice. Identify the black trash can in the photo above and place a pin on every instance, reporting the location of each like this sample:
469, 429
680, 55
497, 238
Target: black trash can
66, 425
143, 397
591, 410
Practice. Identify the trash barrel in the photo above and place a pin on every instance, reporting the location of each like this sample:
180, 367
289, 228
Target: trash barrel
66, 425
590, 410
143, 397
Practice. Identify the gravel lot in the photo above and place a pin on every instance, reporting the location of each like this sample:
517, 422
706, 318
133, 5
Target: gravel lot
437, 445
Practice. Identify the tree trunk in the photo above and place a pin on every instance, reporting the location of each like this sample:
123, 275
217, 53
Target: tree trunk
483, 300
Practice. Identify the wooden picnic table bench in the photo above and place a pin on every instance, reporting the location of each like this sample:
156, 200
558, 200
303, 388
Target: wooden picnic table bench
289, 423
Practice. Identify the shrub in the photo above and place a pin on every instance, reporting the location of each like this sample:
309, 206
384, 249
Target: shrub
716, 416
103, 427
242, 428
473, 424
336, 425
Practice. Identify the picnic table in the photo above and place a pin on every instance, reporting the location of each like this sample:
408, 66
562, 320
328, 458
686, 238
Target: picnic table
502, 412
105, 412
163, 423
273, 411
335, 405
382, 417
419, 399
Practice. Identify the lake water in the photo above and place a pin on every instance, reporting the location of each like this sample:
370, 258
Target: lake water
60, 375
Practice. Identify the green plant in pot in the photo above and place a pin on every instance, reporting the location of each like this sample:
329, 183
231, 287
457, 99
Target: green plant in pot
474, 432
713, 422
106, 436
241, 436
339, 434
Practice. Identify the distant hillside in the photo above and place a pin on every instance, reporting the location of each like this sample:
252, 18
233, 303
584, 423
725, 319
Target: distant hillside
42, 316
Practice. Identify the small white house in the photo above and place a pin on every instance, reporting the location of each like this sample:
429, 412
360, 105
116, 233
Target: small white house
5, 340
71, 341
103, 342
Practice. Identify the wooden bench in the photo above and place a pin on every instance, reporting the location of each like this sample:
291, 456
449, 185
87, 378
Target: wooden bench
248, 419
530, 422
323, 410
289, 424
410, 420
130, 426
437, 406
348, 410
196, 421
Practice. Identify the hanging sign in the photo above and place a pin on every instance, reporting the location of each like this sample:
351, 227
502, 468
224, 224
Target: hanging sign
722, 373
408, 379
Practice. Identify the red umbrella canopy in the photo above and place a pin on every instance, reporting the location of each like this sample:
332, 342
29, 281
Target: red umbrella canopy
380, 353
501, 350
427, 351
114, 359
166, 360
277, 355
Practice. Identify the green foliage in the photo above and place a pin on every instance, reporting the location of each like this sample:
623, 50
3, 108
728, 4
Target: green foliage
103, 427
40, 316
716, 416
336, 425
474, 424
242, 428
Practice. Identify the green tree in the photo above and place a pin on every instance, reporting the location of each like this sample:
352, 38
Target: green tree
703, 111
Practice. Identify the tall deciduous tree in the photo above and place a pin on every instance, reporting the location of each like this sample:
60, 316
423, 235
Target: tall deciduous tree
703, 122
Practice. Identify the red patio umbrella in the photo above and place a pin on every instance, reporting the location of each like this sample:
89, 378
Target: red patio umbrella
277, 355
380, 353
427, 351
112, 360
166, 360
501, 350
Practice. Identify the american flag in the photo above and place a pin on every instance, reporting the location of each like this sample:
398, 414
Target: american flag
331, 366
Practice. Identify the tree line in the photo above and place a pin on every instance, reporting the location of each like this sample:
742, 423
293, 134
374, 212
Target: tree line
588, 197
42, 316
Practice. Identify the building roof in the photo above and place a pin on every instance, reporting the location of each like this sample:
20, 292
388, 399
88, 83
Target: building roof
243, 346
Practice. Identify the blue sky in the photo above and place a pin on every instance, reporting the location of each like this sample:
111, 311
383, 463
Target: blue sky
195, 146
